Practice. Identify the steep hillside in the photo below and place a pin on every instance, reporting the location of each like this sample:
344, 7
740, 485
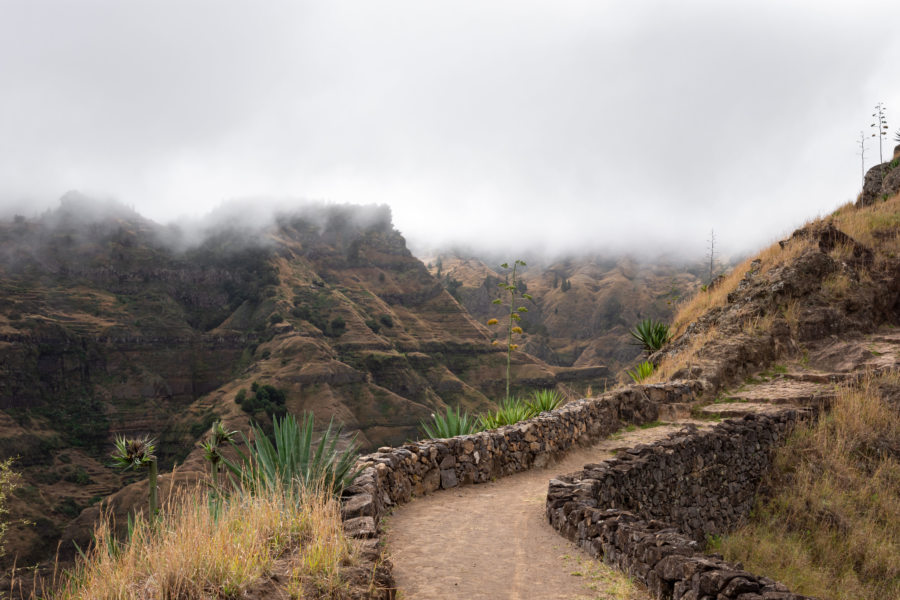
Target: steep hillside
113, 325
583, 307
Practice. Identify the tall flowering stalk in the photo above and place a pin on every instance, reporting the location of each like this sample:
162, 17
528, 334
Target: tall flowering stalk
218, 437
511, 286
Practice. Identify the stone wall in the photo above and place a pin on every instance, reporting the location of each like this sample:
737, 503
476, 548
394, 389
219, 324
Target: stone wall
648, 511
392, 476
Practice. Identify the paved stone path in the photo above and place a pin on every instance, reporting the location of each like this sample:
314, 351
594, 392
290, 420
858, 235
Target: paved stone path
492, 540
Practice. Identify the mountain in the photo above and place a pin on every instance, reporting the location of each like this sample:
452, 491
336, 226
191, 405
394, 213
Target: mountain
582, 308
111, 324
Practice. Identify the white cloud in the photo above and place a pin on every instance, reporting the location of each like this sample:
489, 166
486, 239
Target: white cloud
558, 125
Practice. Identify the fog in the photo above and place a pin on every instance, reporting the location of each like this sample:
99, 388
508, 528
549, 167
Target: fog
513, 127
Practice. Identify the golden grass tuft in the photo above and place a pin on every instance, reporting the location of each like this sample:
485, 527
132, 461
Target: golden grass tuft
193, 553
832, 529
875, 226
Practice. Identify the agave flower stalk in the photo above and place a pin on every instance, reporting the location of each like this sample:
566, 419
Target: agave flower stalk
137, 454
515, 317
218, 436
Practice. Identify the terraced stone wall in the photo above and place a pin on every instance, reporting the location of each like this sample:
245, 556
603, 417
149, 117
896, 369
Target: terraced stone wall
648, 511
392, 476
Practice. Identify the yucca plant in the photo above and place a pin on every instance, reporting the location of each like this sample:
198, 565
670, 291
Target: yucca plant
218, 436
652, 335
543, 400
641, 372
451, 425
137, 454
511, 411
293, 463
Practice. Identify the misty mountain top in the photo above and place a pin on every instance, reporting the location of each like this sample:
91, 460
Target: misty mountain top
242, 223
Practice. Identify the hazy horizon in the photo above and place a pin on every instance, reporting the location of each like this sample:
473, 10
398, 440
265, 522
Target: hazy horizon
511, 127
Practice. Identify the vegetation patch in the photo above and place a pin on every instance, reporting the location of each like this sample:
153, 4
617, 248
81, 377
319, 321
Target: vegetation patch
832, 526
265, 398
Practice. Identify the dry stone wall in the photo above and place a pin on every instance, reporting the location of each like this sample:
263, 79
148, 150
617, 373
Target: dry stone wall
648, 511
392, 476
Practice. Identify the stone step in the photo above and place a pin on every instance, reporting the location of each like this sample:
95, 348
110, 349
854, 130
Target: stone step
675, 411
816, 376
727, 410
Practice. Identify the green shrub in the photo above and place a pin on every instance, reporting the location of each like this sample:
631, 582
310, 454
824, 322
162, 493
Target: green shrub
451, 425
544, 400
652, 335
275, 318
374, 325
386, 320
641, 372
266, 398
292, 463
337, 327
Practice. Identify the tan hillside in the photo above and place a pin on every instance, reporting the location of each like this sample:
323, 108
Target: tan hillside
583, 307
113, 325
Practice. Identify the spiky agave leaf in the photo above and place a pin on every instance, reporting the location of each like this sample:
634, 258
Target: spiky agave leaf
651, 335
133, 453
544, 400
510, 412
293, 463
453, 424
641, 372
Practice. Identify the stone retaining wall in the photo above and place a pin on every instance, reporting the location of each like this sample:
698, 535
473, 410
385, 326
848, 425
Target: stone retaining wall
648, 511
391, 476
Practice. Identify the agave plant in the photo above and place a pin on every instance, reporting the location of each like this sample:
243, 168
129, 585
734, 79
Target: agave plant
641, 372
451, 425
652, 335
218, 436
543, 400
137, 454
293, 463
511, 411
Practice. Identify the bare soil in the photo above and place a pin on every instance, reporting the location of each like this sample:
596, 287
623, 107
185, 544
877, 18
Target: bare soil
493, 540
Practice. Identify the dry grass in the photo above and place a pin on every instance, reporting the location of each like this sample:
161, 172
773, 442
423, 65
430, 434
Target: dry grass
837, 285
758, 325
832, 529
791, 314
687, 357
190, 553
9, 481
876, 226
773, 256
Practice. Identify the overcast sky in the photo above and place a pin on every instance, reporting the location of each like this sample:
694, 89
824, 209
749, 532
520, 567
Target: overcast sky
557, 125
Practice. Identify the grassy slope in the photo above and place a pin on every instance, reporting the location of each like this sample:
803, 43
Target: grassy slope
832, 527
876, 227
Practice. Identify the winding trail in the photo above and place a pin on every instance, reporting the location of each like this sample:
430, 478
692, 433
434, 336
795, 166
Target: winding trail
493, 541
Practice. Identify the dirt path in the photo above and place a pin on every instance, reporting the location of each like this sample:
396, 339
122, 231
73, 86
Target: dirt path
493, 541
